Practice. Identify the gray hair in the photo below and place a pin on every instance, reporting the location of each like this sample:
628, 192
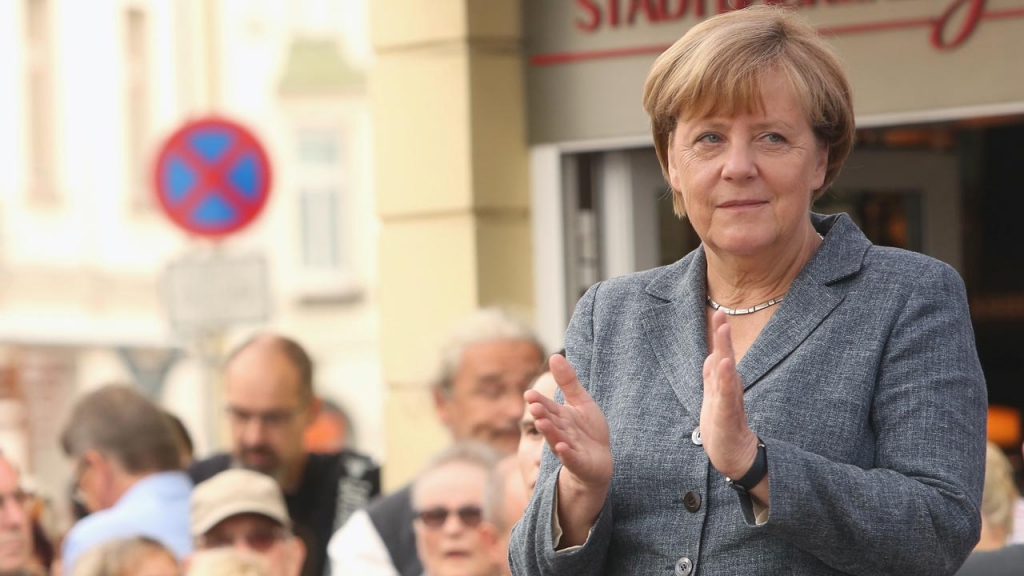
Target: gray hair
465, 452
484, 325
120, 422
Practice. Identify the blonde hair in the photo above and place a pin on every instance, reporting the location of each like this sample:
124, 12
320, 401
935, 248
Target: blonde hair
719, 65
119, 557
1000, 494
226, 562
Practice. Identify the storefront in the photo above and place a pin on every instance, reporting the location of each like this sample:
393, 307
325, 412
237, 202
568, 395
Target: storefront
939, 98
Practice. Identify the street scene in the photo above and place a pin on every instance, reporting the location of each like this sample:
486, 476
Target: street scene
511, 287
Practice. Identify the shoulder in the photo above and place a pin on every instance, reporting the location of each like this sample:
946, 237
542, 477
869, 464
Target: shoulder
346, 463
205, 469
94, 529
910, 272
394, 504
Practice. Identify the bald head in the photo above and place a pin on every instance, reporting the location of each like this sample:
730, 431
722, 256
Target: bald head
274, 345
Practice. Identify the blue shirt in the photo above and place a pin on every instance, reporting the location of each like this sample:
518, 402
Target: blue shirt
156, 507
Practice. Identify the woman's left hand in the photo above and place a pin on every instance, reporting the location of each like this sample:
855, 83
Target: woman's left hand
728, 440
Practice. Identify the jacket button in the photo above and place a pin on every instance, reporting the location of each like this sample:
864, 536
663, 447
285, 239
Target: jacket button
695, 437
691, 501
684, 567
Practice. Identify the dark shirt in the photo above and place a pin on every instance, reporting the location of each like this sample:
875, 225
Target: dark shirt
392, 516
1008, 561
317, 508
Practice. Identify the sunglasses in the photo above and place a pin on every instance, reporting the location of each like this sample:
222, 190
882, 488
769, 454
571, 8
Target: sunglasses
256, 540
471, 516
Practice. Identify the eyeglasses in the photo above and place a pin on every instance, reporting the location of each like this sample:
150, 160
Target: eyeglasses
16, 498
259, 540
471, 516
271, 419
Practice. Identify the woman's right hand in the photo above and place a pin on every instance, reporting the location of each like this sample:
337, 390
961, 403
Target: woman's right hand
577, 433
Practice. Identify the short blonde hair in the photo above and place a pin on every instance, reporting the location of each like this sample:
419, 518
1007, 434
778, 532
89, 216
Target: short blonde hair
122, 557
718, 66
1000, 494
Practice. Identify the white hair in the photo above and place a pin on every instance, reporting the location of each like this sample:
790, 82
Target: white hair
484, 325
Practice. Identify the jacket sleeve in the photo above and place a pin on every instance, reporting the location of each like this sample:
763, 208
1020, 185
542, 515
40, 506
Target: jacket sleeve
531, 549
917, 511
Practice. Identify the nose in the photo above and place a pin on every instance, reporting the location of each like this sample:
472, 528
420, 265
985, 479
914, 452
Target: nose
253, 432
512, 407
739, 162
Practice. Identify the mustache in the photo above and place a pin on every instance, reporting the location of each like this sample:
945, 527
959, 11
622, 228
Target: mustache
257, 451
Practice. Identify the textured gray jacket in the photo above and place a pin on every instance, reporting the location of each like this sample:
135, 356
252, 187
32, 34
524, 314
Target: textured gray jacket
865, 387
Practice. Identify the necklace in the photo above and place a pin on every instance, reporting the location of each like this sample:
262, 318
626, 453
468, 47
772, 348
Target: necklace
743, 311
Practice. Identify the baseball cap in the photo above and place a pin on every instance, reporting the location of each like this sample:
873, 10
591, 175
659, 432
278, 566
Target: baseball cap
235, 492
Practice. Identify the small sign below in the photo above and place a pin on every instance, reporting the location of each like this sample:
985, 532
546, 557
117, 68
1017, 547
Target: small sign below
216, 292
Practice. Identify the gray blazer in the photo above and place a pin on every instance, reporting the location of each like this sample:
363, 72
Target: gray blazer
865, 387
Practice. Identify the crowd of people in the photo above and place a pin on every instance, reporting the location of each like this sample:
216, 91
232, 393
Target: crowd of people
269, 505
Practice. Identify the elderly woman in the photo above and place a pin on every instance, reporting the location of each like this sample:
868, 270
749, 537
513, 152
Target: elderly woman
787, 398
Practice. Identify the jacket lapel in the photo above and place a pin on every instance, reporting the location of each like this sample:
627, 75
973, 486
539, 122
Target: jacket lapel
675, 321
675, 327
815, 292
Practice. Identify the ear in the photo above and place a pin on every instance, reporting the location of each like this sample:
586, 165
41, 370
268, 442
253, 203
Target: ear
491, 542
313, 410
670, 161
820, 167
442, 403
298, 556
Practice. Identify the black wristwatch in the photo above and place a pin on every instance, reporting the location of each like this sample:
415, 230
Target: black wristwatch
753, 476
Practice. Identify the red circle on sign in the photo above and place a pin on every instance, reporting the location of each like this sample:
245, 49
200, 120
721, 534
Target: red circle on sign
196, 177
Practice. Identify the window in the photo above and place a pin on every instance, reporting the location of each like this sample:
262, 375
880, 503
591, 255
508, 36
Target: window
322, 177
39, 100
136, 99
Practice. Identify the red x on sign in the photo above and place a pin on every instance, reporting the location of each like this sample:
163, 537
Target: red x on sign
212, 177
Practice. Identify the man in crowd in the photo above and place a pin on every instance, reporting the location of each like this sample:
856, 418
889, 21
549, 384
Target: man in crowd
486, 366
127, 473
15, 527
505, 500
246, 510
452, 538
268, 383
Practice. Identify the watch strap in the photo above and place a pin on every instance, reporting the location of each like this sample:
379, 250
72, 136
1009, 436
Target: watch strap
757, 472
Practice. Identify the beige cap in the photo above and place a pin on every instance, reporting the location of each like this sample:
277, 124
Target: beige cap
234, 492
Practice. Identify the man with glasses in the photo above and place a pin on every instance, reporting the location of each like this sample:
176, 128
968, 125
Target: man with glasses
268, 386
128, 476
15, 526
452, 538
245, 510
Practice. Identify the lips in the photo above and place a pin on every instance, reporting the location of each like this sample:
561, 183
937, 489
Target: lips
742, 203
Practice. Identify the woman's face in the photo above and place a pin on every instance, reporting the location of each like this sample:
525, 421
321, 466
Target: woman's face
531, 441
747, 180
452, 548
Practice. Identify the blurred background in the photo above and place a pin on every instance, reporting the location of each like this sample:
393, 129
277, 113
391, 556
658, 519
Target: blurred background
425, 158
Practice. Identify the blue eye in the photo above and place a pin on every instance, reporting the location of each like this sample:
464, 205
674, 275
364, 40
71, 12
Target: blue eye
774, 138
710, 138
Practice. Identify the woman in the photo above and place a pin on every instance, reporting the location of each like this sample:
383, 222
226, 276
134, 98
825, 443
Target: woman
786, 399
